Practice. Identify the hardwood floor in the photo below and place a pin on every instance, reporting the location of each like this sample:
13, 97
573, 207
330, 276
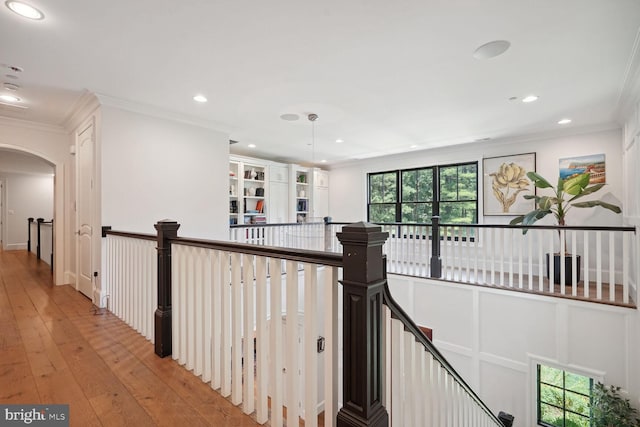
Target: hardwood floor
55, 348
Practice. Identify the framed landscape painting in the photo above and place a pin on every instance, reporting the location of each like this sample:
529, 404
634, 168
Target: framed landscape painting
594, 164
506, 184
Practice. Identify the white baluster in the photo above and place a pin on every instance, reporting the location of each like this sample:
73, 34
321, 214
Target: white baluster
248, 310
262, 372
599, 265
292, 352
198, 311
331, 345
236, 328
217, 278
585, 262
612, 267
276, 341
397, 378
310, 346
625, 267
226, 324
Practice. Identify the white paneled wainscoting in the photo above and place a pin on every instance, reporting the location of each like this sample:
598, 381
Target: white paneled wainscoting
496, 338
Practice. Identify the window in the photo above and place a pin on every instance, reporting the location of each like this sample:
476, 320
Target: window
564, 398
459, 194
383, 196
415, 195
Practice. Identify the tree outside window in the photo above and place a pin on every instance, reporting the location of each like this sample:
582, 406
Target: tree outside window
564, 398
415, 195
383, 196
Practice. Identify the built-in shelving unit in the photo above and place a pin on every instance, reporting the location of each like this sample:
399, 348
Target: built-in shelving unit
263, 191
253, 194
303, 195
233, 192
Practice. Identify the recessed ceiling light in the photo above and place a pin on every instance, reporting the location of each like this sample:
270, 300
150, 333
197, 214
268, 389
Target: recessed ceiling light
9, 98
413, 146
323, 161
200, 98
491, 49
529, 98
24, 10
564, 121
11, 86
251, 145
290, 117
339, 141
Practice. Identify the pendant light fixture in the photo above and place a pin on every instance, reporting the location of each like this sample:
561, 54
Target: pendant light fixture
312, 118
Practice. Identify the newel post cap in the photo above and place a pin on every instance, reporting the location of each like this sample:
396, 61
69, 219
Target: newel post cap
362, 252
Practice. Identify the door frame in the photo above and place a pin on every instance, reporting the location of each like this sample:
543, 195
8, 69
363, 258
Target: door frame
96, 296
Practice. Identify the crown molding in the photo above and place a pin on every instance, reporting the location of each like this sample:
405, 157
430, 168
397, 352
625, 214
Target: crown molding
160, 113
77, 114
27, 124
629, 94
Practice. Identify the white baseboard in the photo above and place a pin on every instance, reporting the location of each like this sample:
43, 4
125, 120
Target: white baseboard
16, 247
70, 278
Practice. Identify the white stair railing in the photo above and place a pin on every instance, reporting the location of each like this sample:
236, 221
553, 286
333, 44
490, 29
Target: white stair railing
238, 325
129, 279
422, 388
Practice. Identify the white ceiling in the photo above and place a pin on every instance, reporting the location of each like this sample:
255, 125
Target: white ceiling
381, 75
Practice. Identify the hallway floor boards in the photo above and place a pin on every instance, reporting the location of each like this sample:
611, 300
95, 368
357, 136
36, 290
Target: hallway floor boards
56, 349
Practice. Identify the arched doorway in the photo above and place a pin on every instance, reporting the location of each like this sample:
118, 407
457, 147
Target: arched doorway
31, 182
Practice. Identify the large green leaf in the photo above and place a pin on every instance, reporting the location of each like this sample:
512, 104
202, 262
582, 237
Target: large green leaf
593, 203
538, 180
576, 185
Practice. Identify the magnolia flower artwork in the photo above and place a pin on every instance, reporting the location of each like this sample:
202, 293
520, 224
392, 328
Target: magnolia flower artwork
506, 183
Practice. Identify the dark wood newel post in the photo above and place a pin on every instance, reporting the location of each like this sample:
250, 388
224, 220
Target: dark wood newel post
363, 284
39, 221
166, 230
29, 221
436, 261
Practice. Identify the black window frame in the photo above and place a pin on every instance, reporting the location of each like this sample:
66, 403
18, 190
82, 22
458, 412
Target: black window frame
436, 194
564, 390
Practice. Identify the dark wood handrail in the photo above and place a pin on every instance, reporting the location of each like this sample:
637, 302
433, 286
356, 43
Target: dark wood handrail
519, 227
398, 313
299, 255
142, 236
277, 224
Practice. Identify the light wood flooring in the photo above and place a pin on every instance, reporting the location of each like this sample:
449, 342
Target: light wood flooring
56, 349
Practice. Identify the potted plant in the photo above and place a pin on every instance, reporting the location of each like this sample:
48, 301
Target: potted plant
609, 409
564, 197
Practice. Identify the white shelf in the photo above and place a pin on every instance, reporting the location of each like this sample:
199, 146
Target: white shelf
254, 197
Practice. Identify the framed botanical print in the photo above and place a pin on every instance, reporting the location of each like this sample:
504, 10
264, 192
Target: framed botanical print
506, 183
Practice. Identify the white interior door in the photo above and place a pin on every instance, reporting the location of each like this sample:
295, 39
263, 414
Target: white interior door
85, 201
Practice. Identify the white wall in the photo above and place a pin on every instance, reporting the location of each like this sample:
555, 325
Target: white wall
25, 196
494, 339
348, 183
52, 144
154, 169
